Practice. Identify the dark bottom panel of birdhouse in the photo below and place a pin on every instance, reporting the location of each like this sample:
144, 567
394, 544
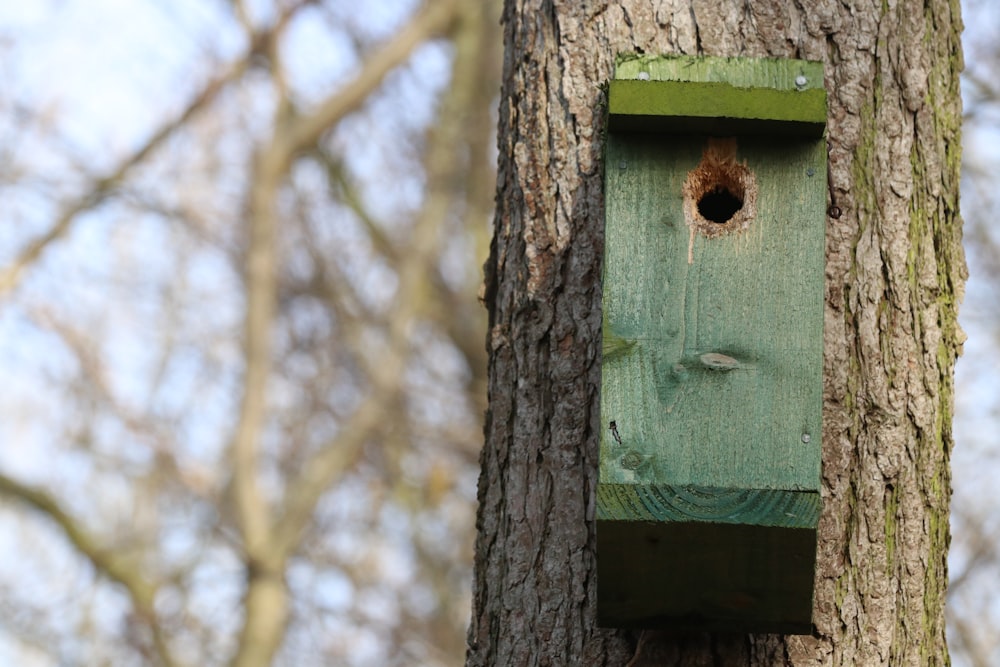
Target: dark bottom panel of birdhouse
747, 567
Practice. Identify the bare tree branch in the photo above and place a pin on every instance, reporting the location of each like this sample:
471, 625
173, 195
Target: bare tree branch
266, 599
101, 188
431, 20
411, 301
337, 365
141, 592
975, 653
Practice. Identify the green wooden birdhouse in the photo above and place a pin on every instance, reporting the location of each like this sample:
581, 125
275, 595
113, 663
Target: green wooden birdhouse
712, 381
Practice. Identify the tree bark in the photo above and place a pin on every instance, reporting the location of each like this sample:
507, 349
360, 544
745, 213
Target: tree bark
894, 276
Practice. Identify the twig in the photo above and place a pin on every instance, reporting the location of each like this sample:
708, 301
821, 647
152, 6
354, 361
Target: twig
411, 301
141, 593
431, 20
101, 188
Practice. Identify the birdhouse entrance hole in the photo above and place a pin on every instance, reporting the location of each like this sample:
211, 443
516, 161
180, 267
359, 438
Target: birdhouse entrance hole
720, 194
718, 205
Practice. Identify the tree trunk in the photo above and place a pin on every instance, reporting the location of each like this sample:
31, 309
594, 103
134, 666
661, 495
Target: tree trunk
894, 275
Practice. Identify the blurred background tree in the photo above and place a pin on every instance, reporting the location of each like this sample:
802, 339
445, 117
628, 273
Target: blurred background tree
242, 350
973, 614
243, 359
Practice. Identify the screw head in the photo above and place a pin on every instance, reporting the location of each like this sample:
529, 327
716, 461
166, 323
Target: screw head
643, 76
806, 438
801, 81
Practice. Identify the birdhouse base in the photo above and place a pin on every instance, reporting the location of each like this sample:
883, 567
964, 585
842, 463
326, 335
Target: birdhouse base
719, 568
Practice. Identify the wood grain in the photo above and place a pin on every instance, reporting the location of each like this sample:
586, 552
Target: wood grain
714, 371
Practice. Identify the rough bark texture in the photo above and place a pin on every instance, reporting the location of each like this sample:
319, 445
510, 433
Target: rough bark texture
894, 275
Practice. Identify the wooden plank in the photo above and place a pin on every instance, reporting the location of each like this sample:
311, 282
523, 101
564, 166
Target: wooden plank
755, 297
707, 577
708, 499
773, 73
718, 96
751, 507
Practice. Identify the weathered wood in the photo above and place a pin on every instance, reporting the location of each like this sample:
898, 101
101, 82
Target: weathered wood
712, 373
718, 95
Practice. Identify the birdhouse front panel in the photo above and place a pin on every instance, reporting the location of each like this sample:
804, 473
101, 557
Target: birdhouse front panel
711, 389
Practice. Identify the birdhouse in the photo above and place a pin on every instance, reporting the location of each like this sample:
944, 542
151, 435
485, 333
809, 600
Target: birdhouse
712, 376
